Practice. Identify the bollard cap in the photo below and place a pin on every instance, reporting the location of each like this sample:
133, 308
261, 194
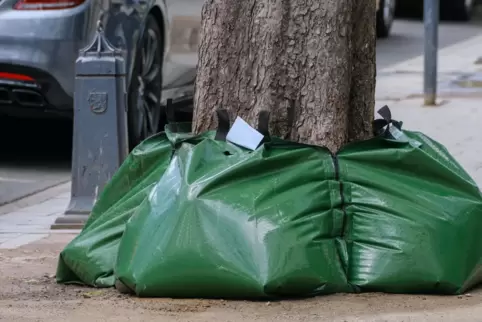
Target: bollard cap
100, 57
100, 46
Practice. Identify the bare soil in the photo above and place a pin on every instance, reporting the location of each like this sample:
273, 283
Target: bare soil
29, 293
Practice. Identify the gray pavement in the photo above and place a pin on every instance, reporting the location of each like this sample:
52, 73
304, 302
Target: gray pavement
407, 39
32, 223
17, 181
35, 154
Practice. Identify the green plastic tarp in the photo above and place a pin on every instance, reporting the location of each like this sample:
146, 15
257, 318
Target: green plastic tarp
227, 222
89, 258
414, 218
413, 215
392, 214
395, 213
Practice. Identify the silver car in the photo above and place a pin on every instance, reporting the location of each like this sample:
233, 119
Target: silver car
40, 41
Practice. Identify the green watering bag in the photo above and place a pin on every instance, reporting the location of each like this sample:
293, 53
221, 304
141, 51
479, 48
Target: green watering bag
89, 258
227, 222
414, 216
395, 213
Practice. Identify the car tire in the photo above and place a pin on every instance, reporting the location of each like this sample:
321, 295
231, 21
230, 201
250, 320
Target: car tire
458, 10
385, 17
145, 115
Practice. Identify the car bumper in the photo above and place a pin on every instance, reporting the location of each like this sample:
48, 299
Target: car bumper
44, 45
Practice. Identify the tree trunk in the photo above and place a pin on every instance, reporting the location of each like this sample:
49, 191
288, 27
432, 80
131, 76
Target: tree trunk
311, 63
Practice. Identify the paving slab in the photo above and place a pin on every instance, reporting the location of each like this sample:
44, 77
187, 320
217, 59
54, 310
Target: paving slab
30, 224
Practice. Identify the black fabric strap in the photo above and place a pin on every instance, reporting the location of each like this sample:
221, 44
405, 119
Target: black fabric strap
263, 125
171, 116
386, 120
223, 125
170, 112
385, 113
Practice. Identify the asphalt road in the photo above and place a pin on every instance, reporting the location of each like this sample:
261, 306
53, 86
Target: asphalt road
35, 154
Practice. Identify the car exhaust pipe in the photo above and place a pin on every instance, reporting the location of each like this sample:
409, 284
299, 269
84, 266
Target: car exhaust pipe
27, 97
5, 97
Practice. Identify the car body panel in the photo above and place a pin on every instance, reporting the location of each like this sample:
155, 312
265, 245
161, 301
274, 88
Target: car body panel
179, 71
44, 40
45, 44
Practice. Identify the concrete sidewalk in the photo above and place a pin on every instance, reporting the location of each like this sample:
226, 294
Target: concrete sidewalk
28, 224
455, 63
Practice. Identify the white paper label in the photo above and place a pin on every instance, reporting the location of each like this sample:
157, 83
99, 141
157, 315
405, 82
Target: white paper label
242, 134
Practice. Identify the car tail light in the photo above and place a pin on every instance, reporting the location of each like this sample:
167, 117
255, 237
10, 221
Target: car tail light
16, 77
46, 4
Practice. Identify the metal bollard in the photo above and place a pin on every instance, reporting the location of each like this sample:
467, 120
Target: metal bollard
100, 141
431, 10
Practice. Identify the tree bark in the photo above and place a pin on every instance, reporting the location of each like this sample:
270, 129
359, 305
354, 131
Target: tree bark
311, 63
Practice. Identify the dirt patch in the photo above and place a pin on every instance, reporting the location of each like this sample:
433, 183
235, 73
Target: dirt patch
29, 293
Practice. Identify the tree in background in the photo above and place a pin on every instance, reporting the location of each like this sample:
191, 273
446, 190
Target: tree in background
311, 63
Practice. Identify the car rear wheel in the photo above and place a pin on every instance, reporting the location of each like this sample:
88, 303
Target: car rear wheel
459, 10
145, 115
385, 17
